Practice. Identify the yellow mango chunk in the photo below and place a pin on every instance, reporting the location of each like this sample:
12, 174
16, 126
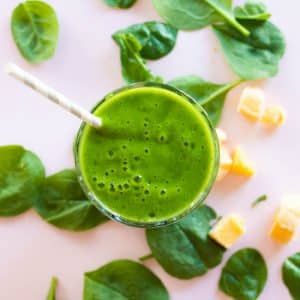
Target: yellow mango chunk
241, 164
284, 226
292, 203
227, 231
225, 163
273, 116
251, 103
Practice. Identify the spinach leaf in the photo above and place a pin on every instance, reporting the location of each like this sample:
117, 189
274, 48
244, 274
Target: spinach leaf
184, 249
52, 290
252, 10
224, 9
244, 276
191, 14
121, 280
157, 39
63, 204
21, 172
291, 275
256, 56
120, 3
35, 27
134, 68
210, 95
186, 14
260, 199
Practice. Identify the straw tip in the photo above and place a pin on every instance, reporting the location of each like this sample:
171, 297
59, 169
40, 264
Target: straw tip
9, 68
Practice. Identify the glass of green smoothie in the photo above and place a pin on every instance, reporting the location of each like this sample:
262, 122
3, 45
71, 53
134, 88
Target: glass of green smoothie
153, 161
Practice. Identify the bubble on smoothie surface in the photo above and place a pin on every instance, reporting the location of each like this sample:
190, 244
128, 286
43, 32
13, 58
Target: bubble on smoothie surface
101, 185
138, 178
163, 192
126, 186
110, 153
152, 214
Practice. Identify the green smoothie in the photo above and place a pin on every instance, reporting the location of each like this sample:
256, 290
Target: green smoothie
153, 158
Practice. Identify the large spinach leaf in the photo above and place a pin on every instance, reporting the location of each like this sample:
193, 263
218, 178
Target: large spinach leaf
244, 276
21, 172
191, 14
184, 249
210, 95
122, 280
157, 39
35, 27
291, 275
120, 3
63, 203
252, 10
256, 56
52, 291
134, 68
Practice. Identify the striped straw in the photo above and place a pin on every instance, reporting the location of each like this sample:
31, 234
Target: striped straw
53, 95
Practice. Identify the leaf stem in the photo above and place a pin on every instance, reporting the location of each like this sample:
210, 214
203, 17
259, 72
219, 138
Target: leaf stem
229, 18
146, 257
223, 90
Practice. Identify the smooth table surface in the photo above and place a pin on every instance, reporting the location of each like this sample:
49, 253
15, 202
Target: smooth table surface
85, 68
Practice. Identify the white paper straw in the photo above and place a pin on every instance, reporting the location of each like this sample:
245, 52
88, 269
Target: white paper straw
53, 95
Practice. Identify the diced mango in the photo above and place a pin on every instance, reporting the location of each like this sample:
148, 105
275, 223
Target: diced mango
292, 203
227, 231
225, 163
251, 103
284, 226
222, 136
273, 116
241, 164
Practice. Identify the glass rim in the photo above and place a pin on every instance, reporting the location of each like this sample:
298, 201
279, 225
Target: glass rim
199, 199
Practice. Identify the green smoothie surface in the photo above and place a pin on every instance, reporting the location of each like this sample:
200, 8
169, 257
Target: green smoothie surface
153, 157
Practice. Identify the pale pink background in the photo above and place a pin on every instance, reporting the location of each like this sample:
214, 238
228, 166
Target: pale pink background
85, 68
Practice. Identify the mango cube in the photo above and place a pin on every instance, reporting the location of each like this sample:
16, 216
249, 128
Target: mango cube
251, 103
284, 225
273, 116
225, 163
292, 203
227, 231
241, 164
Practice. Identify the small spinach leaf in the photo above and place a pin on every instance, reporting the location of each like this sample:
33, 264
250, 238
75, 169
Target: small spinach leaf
191, 14
224, 9
52, 290
184, 249
244, 276
21, 172
291, 275
260, 199
210, 95
186, 14
121, 280
63, 203
252, 10
256, 56
120, 3
35, 27
134, 68
157, 39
